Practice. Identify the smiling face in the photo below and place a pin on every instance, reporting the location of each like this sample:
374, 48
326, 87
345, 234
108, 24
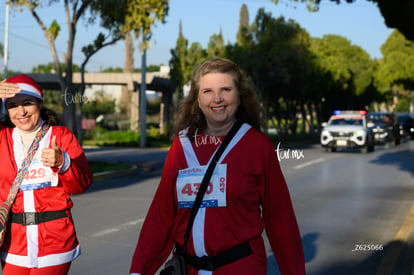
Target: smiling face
218, 99
24, 111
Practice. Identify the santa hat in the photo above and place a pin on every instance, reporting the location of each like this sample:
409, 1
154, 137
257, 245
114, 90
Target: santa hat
27, 85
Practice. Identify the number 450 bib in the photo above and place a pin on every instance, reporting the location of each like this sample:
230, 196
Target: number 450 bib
189, 181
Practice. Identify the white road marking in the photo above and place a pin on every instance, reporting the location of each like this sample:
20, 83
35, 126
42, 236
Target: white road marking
308, 163
117, 228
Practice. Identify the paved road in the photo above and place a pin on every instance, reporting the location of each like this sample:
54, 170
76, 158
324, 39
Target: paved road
344, 202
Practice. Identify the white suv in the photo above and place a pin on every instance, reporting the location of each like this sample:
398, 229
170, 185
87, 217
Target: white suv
347, 129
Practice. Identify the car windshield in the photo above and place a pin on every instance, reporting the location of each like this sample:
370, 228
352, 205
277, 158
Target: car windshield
346, 121
379, 118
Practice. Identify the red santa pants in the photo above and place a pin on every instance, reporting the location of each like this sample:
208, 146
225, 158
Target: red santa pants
9, 269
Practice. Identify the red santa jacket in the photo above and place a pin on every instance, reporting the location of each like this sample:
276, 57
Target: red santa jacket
53, 242
257, 199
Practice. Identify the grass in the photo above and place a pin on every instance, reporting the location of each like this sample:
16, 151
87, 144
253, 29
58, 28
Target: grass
102, 166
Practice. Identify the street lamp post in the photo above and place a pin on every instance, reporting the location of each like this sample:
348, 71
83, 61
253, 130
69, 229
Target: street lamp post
6, 53
6, 39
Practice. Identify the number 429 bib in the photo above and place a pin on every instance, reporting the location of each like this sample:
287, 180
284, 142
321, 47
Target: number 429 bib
189, 181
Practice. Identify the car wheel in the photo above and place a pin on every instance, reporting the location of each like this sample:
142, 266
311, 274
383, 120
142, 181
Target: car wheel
371, 148
397, 141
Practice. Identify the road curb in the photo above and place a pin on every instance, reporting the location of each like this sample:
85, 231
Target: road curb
393, 253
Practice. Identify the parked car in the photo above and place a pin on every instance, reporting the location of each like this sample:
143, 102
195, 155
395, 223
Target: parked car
406, 121
385, 126
347, 129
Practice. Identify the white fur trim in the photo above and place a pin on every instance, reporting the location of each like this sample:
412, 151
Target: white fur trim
30, 90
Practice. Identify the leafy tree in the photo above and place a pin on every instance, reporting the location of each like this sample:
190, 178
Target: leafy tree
196, 54
351, 73
153, 68
117, 17
113, 70
178, 64
50, 68
397, 65
243, 31
216, 47
348, 64
101, 105
395, 72
296, 74
397, 13
276, 59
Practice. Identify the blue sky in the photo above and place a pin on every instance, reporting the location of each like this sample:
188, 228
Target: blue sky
361, 23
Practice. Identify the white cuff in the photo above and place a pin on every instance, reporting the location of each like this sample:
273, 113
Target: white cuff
66, 162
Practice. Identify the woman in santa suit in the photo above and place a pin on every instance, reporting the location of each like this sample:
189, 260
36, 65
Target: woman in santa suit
40, 238
246, 195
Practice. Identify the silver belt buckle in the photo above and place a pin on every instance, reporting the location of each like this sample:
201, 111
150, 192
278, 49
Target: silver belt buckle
29, 218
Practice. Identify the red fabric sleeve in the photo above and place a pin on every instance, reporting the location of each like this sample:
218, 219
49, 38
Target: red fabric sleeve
278, 213
79, 176
156, 239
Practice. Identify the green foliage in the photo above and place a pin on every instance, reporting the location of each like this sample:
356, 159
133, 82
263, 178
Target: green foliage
117, 17
101, 105
299, 79
216, 46
243, 31
403, 105
101, 137
348, 64
120, 136
152, 68
397, 65
141, 15
153, 107
178, 66
53, 100
195, 55
113, 70
102, 166
50, 68
54, 30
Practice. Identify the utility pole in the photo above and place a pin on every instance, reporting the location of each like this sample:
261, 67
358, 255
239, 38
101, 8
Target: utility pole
5, 54
142, 97
6, 39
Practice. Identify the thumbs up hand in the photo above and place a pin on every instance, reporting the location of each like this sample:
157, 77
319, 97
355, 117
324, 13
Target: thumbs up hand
52, 157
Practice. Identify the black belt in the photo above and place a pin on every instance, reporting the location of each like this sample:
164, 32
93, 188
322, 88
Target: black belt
30, 218
214, 262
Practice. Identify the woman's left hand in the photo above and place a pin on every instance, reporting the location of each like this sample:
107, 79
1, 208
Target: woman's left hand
52, 157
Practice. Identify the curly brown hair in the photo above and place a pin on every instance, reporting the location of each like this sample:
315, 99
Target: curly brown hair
248, 111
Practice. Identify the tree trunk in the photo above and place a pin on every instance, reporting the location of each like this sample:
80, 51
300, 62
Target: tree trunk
131, 98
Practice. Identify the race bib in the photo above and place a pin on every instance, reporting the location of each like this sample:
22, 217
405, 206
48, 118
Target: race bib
38, 176
189, 181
